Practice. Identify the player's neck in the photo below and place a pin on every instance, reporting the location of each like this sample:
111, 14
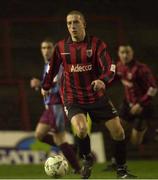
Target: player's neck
46, 61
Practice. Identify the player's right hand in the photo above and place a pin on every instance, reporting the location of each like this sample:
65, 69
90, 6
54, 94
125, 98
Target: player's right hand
44, 92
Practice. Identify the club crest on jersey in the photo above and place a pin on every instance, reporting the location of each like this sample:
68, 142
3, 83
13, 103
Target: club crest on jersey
89, 53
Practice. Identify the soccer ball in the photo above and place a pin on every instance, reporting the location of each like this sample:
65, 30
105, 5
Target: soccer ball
56, 166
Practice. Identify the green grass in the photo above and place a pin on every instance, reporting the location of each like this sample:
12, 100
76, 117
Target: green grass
143, 169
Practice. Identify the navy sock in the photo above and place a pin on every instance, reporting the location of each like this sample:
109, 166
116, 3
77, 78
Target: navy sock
84, 146
120, 152
70, 155
48, 139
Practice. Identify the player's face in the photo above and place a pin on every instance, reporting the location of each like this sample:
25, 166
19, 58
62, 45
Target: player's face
125, 54
76, 27
47, 50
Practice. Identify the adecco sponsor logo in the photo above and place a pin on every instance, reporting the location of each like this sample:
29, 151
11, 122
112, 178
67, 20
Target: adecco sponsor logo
80, 67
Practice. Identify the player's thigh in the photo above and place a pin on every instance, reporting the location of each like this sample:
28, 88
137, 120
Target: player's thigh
41, 130
77, 117
115, 128
43, 125
137, 136
88, 123
79, 123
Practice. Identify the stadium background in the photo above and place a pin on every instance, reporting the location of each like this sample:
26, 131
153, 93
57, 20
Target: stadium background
23, 24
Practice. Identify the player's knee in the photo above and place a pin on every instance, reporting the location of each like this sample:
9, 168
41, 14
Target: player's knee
118, 134
82, 132
39, 135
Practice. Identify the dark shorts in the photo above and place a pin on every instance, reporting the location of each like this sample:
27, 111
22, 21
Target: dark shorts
54, 117
100, 111
139, 122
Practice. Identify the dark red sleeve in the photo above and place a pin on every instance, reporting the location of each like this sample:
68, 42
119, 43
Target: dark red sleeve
150, 82
53, 69
105, 63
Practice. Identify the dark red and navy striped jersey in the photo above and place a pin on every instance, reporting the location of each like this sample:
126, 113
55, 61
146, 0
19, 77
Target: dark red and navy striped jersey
82, 63
139, 82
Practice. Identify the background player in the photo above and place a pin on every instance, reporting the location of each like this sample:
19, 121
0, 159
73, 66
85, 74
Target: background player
87, 68
140, 88
51, 126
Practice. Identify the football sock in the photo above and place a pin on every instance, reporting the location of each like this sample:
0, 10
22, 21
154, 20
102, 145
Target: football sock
70, 156
84, 146
48, 138
120, 152
77, 148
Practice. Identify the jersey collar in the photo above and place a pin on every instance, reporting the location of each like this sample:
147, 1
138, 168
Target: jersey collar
86, 39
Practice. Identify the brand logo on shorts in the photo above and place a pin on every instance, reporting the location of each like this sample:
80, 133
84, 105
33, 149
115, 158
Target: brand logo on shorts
80, 67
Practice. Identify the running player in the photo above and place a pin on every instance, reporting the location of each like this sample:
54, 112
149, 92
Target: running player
51, 126
87, 69
140, 88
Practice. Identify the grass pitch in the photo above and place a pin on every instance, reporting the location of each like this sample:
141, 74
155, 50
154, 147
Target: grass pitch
144, 169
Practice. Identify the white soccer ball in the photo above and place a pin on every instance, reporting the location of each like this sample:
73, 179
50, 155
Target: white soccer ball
56, 166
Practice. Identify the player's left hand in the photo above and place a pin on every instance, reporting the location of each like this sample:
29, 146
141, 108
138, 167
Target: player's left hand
98, 85
136, 109
44, 92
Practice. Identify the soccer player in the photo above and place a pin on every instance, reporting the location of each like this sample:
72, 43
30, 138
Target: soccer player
140, 88
51, 126
87, 68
